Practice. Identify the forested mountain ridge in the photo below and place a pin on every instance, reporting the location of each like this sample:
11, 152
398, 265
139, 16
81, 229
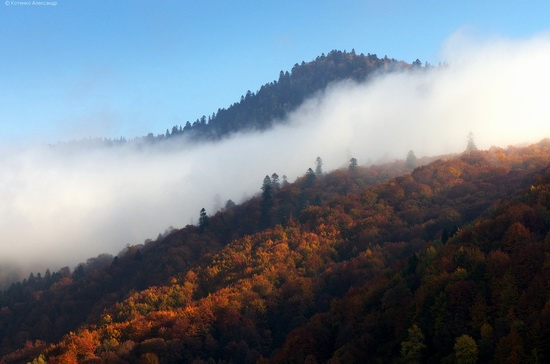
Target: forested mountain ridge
446, 264
275, 100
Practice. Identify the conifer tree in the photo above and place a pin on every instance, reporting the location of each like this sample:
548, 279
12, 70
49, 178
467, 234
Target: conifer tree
411, 160
267, 202
319, 166
310, 177
275, 181
352, 164
471, 145
203, 219
229, 204
285, 181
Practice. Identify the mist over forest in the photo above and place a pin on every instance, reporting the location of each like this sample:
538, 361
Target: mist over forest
64, 205
355, 209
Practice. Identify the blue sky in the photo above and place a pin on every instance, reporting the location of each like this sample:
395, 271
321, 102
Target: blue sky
125, 68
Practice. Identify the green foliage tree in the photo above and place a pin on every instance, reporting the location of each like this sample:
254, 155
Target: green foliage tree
413, 347
465, 350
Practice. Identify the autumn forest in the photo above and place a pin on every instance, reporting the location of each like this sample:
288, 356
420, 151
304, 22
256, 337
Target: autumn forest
442, 259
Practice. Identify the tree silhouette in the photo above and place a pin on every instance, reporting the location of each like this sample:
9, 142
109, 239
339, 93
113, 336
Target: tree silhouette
267, 201
275, 183
411, 160
310, 177
285, 181
471, 145
229, 204
319, 166
203, 219
352, 164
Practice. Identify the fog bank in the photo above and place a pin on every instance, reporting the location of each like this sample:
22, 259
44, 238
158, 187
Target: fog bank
61, 206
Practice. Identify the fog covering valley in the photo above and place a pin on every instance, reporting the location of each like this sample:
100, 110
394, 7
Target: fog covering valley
64, 204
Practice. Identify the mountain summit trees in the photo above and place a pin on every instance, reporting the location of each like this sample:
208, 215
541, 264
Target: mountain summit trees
273, 101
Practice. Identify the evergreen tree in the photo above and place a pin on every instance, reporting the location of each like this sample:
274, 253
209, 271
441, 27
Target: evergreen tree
319, 166
310, 177
203, 219
411, 160
352, 164
471, 145
229, 204
285, 181
267, 202
275, 181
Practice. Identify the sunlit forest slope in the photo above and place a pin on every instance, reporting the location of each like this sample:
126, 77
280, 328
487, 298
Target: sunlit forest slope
447, 262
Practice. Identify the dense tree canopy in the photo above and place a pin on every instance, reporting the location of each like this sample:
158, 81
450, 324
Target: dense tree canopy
362, 276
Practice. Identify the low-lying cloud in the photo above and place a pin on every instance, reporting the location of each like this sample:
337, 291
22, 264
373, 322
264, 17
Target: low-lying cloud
62, 205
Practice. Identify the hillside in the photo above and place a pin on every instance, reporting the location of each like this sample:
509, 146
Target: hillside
275, 100
443, 264
272, 103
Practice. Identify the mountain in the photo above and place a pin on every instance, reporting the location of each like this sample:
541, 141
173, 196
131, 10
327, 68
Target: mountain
448, 262
273, 102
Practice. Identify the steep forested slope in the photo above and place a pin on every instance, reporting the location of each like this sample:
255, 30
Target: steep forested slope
273, 101
447, 263
47, 306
